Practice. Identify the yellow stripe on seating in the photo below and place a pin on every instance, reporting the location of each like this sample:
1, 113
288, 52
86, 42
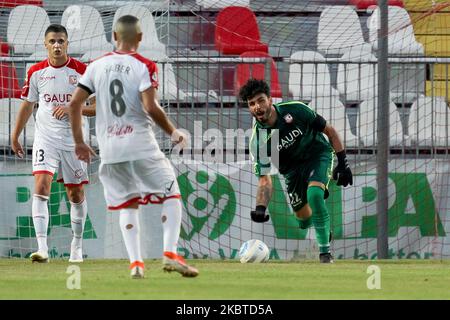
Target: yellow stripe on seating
441, 71
424, 5
434, 24
438, 46
438, 89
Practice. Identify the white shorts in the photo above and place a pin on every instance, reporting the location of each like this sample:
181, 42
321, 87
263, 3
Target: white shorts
147, 180
48, 159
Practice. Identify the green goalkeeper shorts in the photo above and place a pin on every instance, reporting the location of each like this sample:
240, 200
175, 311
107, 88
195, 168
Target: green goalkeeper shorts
297, 181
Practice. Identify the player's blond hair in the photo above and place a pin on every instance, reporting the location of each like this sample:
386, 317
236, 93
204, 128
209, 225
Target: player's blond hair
127, 28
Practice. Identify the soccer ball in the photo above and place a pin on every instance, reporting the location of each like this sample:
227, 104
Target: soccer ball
254, 251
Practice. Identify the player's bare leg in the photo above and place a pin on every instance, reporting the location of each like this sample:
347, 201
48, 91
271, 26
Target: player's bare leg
39, 211
171, 220
78, 214
304, 217
129, 226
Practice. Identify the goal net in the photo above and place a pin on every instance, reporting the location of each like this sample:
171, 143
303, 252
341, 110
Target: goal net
323, 53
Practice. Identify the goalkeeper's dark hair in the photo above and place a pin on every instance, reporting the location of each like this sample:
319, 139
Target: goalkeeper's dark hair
252, 88
56, 28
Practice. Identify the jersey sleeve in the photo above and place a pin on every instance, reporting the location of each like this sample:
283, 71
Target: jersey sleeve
261, 164
306, 113
87, 82
30, 90
149, 77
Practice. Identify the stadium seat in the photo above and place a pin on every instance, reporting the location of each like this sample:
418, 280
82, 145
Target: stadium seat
9, 84
150, 40
15, 3
406, 80
367, 124
365, 4
340, 31
26, 29
237, 31
401, 35
334, 113
4, 49
429, 122
168, 88
222, 3
246, 71
9, 109
86, 31
152, 48
310, 80
357, 81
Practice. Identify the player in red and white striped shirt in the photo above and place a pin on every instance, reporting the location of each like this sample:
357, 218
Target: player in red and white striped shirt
51, 83
133, 169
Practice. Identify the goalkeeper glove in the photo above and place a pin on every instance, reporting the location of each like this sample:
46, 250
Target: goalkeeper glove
259, 214
342, 172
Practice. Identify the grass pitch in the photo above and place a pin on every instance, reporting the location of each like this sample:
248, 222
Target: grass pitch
225, 280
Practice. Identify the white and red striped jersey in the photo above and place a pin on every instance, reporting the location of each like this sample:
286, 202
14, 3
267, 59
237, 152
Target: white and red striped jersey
51, 87
123, 128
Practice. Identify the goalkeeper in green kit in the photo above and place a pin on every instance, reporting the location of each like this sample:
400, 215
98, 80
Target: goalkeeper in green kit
293, 135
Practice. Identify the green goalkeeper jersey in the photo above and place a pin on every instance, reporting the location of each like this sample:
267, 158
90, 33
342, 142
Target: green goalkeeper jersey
295, 140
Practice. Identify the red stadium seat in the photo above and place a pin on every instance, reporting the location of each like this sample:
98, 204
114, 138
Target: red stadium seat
4, 49
364, 4
9, 84
237, 31
256, 70
15, 3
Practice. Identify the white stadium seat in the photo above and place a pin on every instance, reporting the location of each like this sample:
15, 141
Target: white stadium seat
26, 29
86, 30
309, 80
150, 40
367, 124
401, 37
151, 48
334, 113
340, 31
357, 81
406, 81
168, 88
429, 122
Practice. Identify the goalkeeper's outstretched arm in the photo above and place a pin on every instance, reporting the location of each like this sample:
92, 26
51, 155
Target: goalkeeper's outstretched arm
263, 196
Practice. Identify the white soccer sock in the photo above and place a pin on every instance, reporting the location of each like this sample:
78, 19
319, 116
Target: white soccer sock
39, 211
129, 225
171, 221
78, 213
